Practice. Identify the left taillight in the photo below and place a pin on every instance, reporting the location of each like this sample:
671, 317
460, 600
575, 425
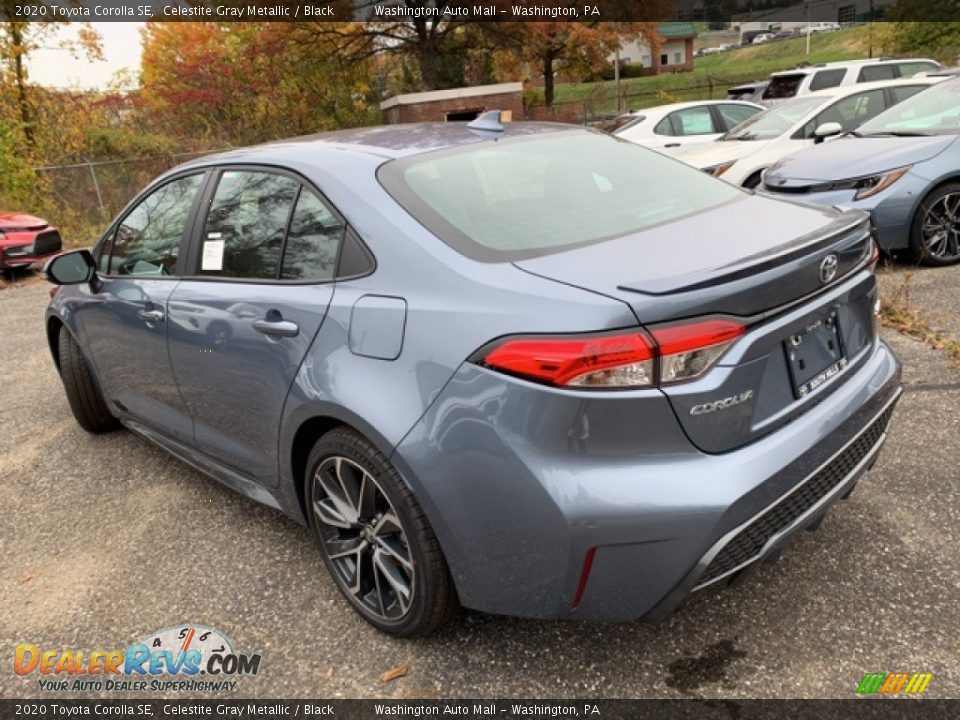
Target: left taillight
622, 360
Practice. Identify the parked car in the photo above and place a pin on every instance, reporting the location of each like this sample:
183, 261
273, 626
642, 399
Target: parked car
670, 127
903, 166
25, 240
741, 156
748, 92
811, 78
447, 379
761, 38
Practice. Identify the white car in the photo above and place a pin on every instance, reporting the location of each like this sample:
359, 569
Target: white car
741, 156
668, 128
822, 76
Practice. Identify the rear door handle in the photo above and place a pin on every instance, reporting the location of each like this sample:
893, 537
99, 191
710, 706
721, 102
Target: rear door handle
281, 328
151, 316
672, 145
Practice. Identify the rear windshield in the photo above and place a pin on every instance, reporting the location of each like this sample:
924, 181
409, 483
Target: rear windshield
783, 86
528, 196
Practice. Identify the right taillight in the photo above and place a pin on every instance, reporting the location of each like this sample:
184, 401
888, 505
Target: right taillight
621, 360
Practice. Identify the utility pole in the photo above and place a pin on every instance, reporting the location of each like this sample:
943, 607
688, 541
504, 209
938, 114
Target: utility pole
616, 74
809, 30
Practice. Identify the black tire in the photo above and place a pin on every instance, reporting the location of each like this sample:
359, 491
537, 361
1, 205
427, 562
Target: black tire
344, 456
948, 251
86, 401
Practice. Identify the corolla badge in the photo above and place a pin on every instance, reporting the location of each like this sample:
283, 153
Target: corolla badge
728, 402
828, 268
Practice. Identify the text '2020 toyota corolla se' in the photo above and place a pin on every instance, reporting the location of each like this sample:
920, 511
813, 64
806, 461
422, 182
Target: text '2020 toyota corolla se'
539, 371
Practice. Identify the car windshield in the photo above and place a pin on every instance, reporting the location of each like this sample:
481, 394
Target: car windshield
774, 122
934, 111
783, 86
532, 195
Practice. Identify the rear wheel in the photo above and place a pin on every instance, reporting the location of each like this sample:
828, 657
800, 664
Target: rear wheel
376, 541
83, 394
935, 233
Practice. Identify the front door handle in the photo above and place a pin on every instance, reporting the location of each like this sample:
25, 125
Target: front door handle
672, 145
280, 328
151, 316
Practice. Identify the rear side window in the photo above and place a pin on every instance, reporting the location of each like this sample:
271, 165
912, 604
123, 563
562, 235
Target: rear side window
909, 69
692, 121
783, 86
246, 224
878, 72
528, 196
827, 79
313, 240
147, 241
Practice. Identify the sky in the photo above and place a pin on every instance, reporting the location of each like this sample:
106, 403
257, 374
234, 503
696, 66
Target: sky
52, 67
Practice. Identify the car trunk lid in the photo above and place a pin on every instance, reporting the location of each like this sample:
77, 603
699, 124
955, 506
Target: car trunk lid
770, 280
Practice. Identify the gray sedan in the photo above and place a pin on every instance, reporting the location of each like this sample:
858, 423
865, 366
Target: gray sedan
533, 369
903, 167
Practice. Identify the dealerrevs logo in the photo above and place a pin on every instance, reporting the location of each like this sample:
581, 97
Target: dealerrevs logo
188, 657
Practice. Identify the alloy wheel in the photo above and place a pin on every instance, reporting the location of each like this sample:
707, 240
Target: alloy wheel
941, 227
363, 537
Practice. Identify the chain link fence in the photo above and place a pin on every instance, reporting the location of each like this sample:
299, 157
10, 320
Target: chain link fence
98, 190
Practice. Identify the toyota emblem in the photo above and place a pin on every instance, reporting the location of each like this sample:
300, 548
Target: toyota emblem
828, 268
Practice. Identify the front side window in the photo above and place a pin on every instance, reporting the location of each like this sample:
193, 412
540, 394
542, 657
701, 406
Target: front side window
692, 121
849, 112
529, 196
246, 224
733, 115
147, 241
310, 252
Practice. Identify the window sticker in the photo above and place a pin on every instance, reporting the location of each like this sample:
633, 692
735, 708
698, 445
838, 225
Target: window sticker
212, 255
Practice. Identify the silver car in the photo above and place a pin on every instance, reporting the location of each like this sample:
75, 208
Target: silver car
532, 370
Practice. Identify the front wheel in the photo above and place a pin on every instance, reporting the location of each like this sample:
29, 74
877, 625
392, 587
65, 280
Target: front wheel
376, 541
87, 403
935, 233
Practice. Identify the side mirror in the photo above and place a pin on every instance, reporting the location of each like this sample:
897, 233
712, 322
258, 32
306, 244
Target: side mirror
826, 130
71, 268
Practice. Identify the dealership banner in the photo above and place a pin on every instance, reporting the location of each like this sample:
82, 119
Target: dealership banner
425, 11
506, 709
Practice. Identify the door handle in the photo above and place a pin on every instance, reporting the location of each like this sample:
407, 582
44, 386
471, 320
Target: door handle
672, 145
151, 316
280, 328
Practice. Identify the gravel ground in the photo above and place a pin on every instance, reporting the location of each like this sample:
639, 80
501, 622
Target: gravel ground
108, 538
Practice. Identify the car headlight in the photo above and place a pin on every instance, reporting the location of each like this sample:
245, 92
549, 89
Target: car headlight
718, 170
870, 186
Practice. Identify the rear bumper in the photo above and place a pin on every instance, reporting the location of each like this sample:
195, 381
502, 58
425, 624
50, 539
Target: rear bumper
520, 483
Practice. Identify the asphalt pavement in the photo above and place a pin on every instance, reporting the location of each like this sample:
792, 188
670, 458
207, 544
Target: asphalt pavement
107, 538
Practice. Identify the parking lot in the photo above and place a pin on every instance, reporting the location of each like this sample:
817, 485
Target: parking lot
109, 538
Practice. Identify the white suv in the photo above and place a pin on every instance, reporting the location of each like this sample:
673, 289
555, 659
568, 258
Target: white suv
803, 80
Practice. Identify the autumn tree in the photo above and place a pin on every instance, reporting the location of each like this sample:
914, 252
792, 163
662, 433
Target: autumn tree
236, 83
17, 41
574, 48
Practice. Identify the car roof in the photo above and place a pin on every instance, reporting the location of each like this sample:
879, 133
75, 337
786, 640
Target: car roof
384, 141
844, 90
808, 69
659, 109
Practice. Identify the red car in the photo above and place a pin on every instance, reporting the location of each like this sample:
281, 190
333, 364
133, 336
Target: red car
25, 239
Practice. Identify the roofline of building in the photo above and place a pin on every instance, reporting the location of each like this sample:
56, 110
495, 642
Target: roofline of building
438, 95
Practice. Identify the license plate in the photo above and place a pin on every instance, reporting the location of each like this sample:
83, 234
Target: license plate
815, 355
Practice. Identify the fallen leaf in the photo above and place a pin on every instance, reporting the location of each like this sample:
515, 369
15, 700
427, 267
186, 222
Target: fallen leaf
394, 673
27, 577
